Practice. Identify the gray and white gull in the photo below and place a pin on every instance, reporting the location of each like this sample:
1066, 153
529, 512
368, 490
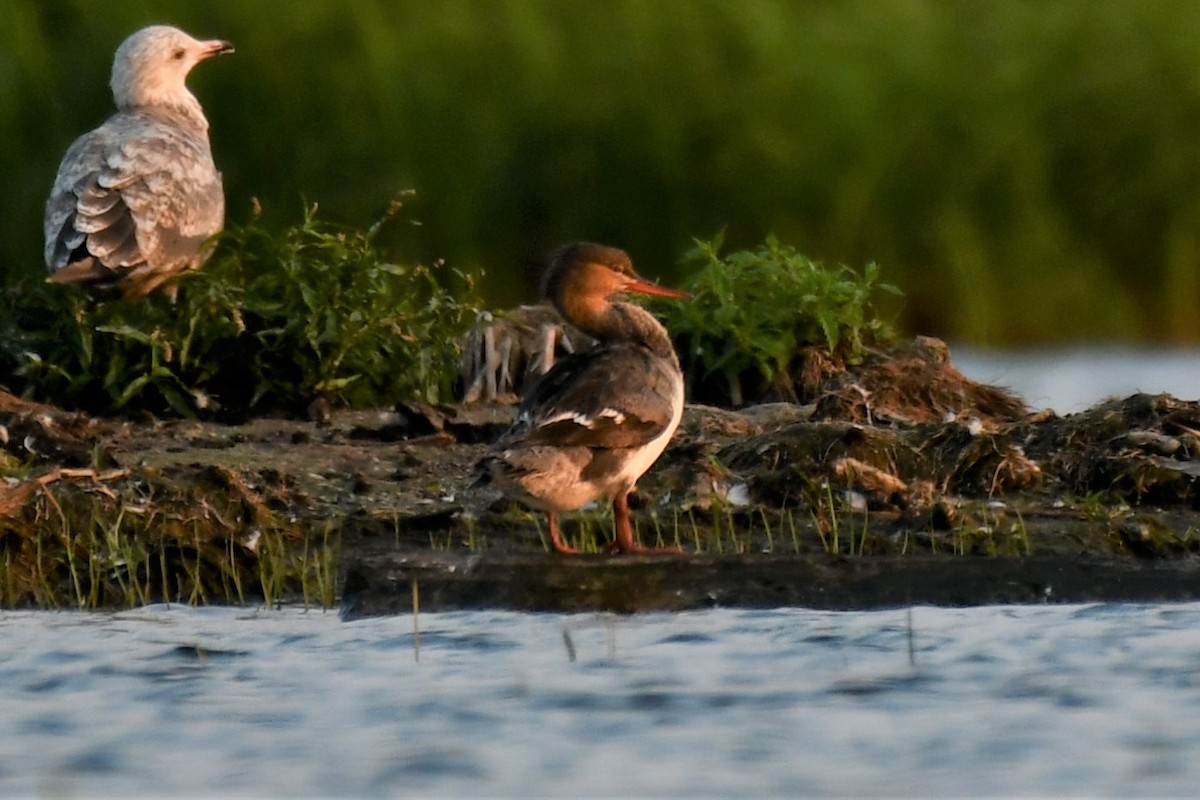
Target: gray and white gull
136, 199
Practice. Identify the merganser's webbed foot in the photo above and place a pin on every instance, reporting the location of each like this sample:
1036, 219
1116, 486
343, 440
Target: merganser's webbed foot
637, 549
624, 541
556, 539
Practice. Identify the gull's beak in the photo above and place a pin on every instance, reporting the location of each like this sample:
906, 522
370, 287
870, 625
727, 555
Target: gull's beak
214, 47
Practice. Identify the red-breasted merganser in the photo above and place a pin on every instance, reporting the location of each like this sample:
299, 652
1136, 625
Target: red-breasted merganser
597, 420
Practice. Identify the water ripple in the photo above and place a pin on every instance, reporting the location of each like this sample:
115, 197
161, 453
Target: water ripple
1091, 699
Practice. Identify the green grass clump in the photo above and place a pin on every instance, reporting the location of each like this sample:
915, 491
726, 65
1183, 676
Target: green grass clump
114, 540
753, 310
275, 320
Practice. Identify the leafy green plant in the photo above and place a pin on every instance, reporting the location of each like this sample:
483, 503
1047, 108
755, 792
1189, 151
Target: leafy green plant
274, 321
753, 311
68, 545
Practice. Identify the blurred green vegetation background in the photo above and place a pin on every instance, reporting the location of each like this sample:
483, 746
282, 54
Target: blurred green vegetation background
1024, 170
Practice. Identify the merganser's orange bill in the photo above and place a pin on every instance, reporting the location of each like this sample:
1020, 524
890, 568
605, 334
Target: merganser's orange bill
646, 287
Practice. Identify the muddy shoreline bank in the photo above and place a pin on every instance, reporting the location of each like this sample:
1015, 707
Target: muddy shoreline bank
777, 504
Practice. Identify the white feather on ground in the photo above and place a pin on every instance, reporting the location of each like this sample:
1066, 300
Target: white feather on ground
135, 199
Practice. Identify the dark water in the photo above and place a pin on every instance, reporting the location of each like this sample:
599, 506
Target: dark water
1094, 700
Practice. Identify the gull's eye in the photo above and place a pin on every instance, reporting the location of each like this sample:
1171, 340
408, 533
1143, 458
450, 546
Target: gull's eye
179, 54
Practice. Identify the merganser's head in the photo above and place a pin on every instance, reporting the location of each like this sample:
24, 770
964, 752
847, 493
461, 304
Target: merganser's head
595, 271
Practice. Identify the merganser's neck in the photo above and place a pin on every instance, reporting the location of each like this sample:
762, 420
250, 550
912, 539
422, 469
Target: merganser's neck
611, 321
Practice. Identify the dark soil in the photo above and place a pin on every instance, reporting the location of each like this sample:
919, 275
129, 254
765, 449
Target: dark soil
901, 483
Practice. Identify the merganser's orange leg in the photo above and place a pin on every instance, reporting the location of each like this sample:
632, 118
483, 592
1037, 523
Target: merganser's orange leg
556, 538
624, 542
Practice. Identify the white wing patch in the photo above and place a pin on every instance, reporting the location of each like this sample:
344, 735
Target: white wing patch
616, 415
586, 420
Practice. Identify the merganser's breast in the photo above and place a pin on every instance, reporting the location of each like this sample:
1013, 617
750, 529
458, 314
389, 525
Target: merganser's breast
642, 458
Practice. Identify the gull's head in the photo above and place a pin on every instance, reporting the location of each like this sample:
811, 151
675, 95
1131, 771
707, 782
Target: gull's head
152, 65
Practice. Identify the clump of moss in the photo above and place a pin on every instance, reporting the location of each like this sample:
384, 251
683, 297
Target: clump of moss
754, 311
274, 321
